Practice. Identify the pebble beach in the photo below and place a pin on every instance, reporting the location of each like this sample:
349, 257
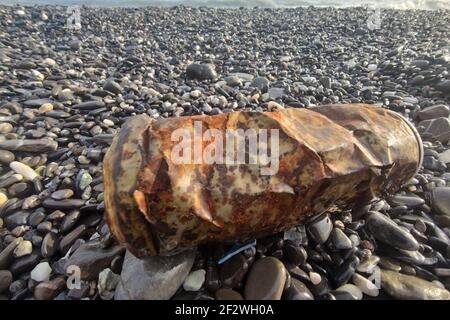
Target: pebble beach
65, 92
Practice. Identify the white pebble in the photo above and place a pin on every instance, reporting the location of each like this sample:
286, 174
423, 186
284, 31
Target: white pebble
194, 280
365, 285
315, 278
352, 289
196, 94
108, 122
24, 170
41, 272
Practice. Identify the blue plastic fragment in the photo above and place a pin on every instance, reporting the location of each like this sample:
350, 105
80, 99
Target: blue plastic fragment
237, 249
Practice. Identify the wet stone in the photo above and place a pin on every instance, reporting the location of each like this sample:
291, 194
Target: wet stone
50, 289
37, 145
71, 237
403, 286
50, 245
387, 231
320, 229
266, 280
201, 71
62, 194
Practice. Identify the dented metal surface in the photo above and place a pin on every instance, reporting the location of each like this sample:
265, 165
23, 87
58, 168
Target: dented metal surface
329, 157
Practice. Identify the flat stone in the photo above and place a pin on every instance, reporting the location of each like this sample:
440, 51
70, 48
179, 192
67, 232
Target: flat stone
91, 258
410, 202
438, 129
261, 83
387, 231
37, 145
24, 264
18, 218
266, 280
62, 194
71, 237
153, 278
434, 112
441, 200
66, 204
48, 290
89, 105
406, 287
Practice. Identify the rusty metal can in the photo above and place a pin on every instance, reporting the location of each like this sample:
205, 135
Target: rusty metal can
328, 157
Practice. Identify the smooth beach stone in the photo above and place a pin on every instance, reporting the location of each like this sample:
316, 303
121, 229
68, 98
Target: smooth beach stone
434, 112
320, 229
194, 280
71, 237
340, 239
266, 280
91, 258
48, 290
228, 294
387, 231
401, 286
298, 291
28, 145
201, 71
6, 157
365, 285
66, 204
41, 272
24, 248
294, 254
153, 278
49, 245
25, 263
62, 194
6, 278
441, 200
354, 292
409, 201
24, 170
112, 86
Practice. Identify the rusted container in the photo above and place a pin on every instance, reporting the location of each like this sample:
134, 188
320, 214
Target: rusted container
329, 157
